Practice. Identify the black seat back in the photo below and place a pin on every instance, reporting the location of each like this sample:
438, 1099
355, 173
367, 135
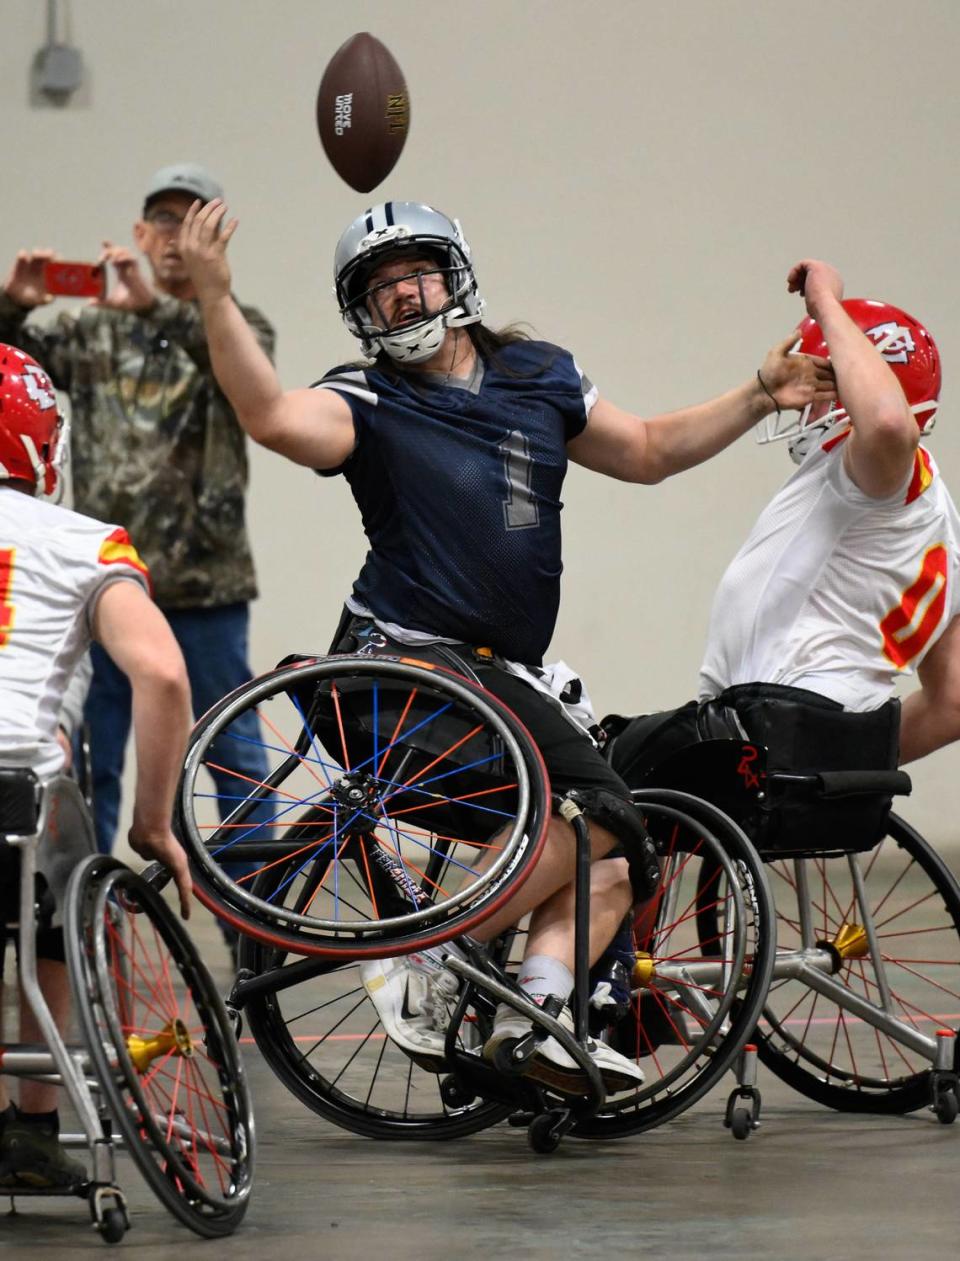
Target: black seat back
799, 773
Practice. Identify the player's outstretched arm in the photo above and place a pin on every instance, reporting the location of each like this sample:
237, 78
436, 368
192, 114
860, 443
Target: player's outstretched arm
879, 452
931, 715
310, 427
631, 449
135, 633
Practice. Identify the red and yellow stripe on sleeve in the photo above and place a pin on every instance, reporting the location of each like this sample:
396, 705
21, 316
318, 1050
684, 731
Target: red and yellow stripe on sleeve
922, 475
116, 549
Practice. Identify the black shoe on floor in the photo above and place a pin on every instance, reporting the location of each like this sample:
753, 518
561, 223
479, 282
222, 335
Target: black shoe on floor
32, 1155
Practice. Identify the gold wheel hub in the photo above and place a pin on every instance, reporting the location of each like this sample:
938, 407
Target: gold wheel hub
644, 970
851, 942
173, 1039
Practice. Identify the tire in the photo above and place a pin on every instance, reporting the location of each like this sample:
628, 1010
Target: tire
706, 949
387, 778
161, 1046
323, 1039
808, 1039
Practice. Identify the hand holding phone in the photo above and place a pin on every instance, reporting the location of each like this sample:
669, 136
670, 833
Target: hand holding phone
74, 280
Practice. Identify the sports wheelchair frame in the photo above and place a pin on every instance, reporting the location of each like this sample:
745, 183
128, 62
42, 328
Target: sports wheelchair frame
158, 1059
405, 804
861, 1013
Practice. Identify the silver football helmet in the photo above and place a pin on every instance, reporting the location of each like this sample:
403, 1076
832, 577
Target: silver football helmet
391, 230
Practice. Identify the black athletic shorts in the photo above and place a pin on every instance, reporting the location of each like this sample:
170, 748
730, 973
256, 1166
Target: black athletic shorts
572, 759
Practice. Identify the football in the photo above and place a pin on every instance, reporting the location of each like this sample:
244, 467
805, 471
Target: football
363, 112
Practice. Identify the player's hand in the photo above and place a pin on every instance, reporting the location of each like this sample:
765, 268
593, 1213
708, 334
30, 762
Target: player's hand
817, 282
24, 282
163, 846
203, 244
130, 290
64, 742
796, 380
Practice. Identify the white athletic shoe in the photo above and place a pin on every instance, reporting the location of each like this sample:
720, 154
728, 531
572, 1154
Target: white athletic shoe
550, 1063
415, 997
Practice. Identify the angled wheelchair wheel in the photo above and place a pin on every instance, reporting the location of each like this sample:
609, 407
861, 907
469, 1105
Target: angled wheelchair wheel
883, 930
320, 1034
160, 1045
704, 950
405, 803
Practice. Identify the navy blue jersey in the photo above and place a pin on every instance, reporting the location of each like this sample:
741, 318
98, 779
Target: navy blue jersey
459, 491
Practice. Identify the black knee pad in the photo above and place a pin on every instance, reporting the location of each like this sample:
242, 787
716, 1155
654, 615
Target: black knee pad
623, 819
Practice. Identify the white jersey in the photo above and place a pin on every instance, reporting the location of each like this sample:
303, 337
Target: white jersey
835, 591
54, 566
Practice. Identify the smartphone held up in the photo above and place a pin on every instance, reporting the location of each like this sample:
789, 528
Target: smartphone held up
74, 280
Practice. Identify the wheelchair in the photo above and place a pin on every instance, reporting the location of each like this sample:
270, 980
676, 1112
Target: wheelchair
405, 804
861, 1012
157, 1060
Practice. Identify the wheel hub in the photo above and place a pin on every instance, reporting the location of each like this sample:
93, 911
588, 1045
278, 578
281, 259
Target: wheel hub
644, 970
360, 794
174, 1039
850, 942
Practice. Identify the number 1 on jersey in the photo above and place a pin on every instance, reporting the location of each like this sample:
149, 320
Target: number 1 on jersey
520, 508
7, 558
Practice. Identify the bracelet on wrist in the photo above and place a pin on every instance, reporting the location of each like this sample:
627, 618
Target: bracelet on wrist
769, 394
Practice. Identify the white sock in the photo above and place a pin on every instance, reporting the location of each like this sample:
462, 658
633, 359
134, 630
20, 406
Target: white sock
541, 975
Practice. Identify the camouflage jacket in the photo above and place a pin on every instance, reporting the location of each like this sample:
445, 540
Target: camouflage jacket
155, 446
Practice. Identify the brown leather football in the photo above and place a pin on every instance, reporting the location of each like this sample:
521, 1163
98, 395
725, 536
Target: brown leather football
363, 112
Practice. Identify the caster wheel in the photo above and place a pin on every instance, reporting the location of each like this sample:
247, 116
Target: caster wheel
740, 1123
455, 1095
946, 1107
113, 1227
543, 1134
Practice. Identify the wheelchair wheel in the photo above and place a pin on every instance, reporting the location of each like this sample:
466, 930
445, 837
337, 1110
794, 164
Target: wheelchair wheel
705, 948
322, 1037
161, 1046
820, 1043
407, 801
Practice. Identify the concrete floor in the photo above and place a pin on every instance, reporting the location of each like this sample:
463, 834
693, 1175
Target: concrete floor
809, 1183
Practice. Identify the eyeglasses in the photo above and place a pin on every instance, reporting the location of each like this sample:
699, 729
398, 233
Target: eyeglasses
164, 220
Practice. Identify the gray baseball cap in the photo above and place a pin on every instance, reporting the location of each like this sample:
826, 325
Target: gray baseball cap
183, 177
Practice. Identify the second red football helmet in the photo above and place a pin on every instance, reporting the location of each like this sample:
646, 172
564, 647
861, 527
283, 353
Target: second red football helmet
33, 445
903, 343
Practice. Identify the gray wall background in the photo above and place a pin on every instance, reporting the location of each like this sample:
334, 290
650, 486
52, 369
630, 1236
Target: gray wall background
635, 179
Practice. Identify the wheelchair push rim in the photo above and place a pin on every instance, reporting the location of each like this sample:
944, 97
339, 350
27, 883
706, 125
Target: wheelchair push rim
324, 1040
863, 1060
161, 1046
386, 779
704, 957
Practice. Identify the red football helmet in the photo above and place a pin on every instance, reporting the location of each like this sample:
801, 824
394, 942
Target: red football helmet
33, 444
902, 342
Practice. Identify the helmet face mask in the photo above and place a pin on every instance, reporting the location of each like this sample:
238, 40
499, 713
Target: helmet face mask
902, 342
389, 233
33, 432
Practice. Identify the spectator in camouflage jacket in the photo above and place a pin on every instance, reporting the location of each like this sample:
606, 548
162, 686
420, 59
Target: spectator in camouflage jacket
155, 447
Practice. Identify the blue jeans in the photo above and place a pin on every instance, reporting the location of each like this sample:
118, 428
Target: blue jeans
214, 645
